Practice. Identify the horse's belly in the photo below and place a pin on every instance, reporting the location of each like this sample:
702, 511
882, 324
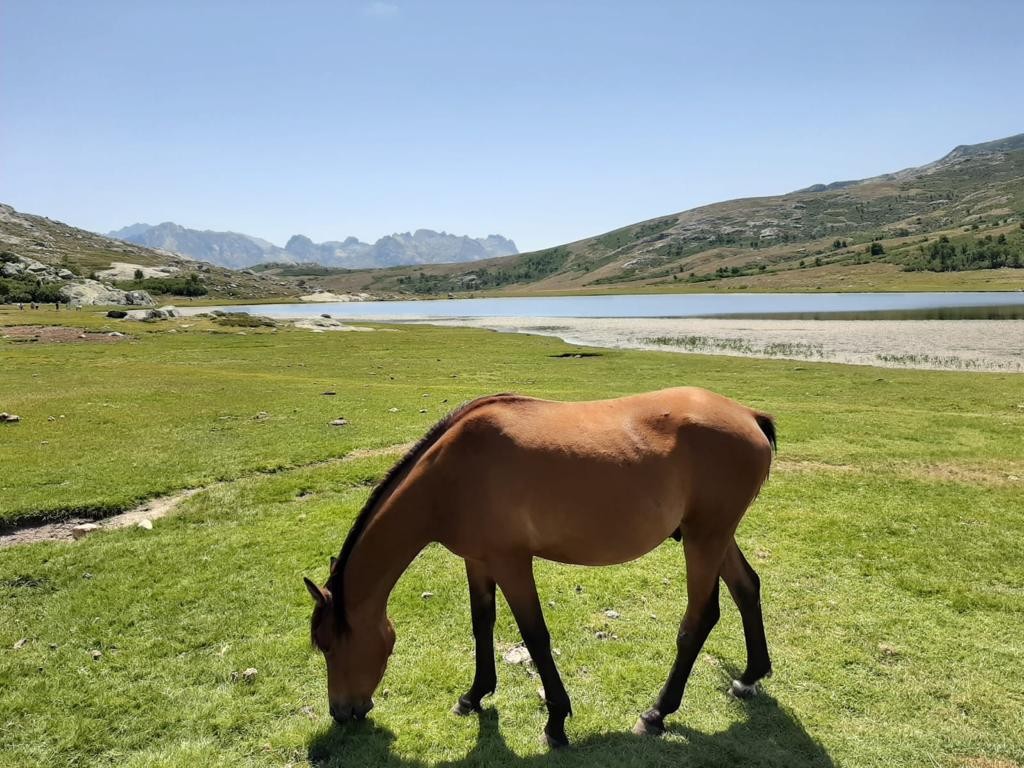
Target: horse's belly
603, 533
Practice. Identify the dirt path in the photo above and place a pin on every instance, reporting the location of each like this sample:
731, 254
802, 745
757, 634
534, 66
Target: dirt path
161, 506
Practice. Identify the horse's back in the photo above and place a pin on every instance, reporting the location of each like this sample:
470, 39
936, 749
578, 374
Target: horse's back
598, 481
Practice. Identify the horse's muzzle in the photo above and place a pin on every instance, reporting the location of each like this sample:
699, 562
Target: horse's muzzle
342, 713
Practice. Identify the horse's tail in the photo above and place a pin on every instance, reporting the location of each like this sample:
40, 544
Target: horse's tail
767, 425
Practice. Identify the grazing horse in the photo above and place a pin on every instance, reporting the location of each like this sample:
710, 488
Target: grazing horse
505, 479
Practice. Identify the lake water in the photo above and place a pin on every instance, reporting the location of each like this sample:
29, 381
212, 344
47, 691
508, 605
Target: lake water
965, 305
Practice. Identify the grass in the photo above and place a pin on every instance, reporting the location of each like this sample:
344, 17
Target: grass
885, 541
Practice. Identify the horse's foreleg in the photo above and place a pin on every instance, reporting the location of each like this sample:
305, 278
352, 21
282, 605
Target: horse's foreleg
745, 588
703, 563
481, 606
520, 590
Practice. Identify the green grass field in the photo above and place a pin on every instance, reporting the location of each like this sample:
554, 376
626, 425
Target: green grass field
887, 541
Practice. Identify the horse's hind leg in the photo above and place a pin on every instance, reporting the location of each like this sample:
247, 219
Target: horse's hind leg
516, 581
745, 588
703, 564
481, 606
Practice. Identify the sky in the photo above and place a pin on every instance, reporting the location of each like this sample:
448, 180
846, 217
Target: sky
545, 122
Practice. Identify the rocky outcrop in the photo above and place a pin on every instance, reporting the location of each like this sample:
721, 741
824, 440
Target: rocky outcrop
77, 291
91, 293
123, 270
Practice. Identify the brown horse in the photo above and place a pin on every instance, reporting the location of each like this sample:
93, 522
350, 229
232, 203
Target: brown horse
507, 478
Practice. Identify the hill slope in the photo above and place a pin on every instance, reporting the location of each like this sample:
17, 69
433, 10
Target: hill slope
235, 250
814, 237
83, 253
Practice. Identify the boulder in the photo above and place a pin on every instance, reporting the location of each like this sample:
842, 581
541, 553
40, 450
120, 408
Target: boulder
94, 293
163, 313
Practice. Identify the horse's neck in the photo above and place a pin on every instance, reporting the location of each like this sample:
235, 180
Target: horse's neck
392, 539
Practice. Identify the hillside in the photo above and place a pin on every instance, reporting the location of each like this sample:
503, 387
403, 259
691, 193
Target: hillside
84, 254
879, 233
236, 250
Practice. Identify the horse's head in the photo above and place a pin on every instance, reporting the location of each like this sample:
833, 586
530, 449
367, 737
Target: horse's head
356, 655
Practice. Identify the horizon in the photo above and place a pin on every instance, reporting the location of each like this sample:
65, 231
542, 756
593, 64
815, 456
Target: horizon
539, 123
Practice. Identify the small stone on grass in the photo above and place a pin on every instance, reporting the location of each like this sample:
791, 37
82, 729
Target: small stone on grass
517, 655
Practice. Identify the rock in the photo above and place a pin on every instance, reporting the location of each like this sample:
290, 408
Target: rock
20, 644
612, 614
540, 693
10, 418
94, 293
601, 635
117, 314
163, 313
392, 410
145, 524
329, 392
83, 530
116, 335
423, 410
50, 418
262, 416
120, 270
339, 422
517, 655
249, 674
325, 316
97, 655
427, 595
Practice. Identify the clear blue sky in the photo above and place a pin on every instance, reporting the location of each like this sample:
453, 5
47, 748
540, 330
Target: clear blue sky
545, 122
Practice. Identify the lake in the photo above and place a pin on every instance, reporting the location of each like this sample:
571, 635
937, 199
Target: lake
964, 305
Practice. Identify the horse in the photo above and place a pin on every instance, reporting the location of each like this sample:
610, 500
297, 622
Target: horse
507, 478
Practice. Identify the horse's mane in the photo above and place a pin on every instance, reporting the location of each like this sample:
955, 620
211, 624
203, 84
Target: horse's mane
335, 583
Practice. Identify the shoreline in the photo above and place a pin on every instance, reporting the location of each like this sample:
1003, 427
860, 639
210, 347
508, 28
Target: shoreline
949, 345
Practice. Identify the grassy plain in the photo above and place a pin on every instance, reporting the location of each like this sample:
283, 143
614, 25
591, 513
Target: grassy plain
884, 540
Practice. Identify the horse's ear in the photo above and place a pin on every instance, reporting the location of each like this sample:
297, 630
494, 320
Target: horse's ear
334, 563
315, 592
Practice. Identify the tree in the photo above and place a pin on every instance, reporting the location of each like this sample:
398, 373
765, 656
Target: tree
138, 274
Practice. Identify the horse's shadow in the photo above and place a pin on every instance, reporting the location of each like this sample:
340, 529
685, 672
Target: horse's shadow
768, 736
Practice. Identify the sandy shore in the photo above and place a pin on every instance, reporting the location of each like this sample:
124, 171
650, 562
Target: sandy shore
963, 345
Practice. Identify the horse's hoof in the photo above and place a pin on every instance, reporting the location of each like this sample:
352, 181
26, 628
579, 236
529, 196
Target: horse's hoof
555, 742
742, 690
648, 727
464, 708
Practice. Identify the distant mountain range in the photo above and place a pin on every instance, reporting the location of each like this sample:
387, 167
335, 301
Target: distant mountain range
237, 251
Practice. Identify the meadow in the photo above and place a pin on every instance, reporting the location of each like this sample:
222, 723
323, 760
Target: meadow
887, 541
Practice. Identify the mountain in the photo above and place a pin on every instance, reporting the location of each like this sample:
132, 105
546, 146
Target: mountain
77, 255
234, 250
847, 235
227, 249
